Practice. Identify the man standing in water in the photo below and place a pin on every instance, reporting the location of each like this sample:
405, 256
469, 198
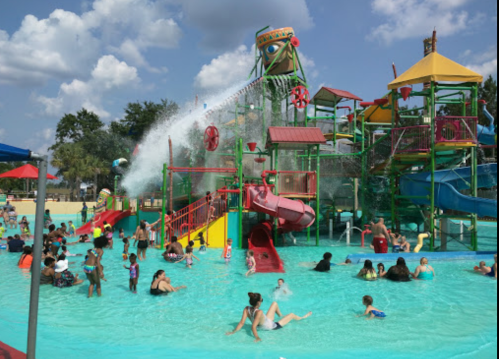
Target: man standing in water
174, 251
381, 237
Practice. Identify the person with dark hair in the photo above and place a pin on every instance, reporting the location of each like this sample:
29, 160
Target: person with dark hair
400, 272
142, 236
381, 270
174, 251
48, 272
134, 273
63, 278
202, 242
368, 272
93, 268
16, 244
161, 284
264, 321
325, 264
370, 310
188, 257
26, 259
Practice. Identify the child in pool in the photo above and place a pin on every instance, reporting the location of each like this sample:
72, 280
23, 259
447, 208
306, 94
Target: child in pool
250, 260
109, 235
126, 242
122, 233
347, 263
202, 243
381, 270
68, 254
72, 229
282, 287
227, 253
188, 257
370, 310
325, 264
134, 273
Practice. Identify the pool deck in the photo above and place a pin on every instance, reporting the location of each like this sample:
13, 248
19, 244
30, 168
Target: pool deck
416, 257
9, 352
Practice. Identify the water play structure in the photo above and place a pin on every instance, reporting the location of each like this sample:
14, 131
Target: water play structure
270, 159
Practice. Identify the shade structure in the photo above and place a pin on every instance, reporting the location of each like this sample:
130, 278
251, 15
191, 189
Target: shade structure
25, 172
10, 154
435, 67
376, 114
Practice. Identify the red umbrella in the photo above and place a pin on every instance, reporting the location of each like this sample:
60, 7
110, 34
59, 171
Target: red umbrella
25, 172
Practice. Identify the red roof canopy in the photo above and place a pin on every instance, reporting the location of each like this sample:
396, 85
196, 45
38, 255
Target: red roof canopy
331, 97
25, 172
295, 137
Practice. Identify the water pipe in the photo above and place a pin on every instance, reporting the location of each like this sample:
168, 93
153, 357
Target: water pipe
421, 239
344, 108
264, 178
367, 231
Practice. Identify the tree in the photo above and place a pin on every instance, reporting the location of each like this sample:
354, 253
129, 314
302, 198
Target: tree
486, 91
140, 117
74, 129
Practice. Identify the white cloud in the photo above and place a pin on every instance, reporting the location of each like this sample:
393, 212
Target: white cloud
108, 75
485, 63
417, 18
226, 69
225, 23
66, 45
235, 66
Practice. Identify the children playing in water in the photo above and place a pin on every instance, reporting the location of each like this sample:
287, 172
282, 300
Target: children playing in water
488, 271
134, 273
227, 253
72, 229
370, 310
188, 257
251, 262
126, 242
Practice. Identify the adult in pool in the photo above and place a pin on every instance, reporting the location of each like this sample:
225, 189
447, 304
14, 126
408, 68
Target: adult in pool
93, 268
400, 272
368, 272
488, 271
161, 284
262, 321
142, 236
173, 251
424, 271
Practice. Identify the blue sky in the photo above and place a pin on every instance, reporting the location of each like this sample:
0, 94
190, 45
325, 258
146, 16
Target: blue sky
57, 56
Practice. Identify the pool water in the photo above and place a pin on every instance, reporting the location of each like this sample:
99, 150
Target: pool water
454, 316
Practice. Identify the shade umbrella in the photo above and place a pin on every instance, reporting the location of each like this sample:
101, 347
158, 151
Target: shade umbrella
27, 172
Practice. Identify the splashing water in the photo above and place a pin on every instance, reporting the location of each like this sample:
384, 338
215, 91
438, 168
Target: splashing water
146, 168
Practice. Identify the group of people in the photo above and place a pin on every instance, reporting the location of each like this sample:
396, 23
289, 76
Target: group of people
382, 237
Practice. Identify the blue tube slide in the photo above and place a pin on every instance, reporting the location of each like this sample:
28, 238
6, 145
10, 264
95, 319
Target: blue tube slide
448, 183
487, 135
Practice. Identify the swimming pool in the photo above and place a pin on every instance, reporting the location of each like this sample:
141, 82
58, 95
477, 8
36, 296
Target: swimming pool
453, 317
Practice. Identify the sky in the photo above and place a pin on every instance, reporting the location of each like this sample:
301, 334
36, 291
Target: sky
57, 56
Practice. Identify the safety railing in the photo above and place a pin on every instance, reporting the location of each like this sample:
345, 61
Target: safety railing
151, 200
453, 129
413, 139
199, 214
297, 183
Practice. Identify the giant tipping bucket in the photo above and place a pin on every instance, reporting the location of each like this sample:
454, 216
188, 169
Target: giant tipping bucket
271, 44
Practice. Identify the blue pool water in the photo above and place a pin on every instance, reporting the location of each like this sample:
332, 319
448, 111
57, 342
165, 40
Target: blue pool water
453, 317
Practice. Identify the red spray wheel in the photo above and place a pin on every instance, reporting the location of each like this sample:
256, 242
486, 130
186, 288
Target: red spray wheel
300, 97
211, 138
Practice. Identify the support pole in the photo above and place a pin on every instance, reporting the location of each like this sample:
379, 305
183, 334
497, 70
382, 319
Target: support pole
474, 172
276, 167
318, 197
433, 167
241, 190
37, 258
163, 204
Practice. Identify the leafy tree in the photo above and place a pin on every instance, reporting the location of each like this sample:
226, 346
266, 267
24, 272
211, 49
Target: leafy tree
140, 117
75, 128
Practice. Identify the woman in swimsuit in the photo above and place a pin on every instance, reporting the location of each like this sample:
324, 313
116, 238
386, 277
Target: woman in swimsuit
161, 284
262, 321
368, 272
93, 268
424, 271
142, 237
48, 272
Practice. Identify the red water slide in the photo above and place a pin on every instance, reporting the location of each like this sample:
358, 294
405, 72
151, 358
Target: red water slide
293, 216
111, 217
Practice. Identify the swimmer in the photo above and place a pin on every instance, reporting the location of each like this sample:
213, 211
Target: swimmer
424, 271
488, 271
126, 242
381, 270
251, 262
347, 263
370, 310
134, 273
188, 257
325, 264
282, 288
264, 321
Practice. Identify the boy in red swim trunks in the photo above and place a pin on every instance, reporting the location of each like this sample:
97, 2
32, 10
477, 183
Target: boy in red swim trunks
381, 237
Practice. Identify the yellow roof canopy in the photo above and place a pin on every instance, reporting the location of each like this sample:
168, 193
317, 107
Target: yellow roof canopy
435, 67
376, 114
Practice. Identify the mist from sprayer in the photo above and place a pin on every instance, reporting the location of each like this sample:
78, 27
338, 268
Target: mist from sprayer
146, 168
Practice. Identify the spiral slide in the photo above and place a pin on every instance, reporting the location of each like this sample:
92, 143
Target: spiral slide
447, 187
293, 216
111, 217
487, 135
